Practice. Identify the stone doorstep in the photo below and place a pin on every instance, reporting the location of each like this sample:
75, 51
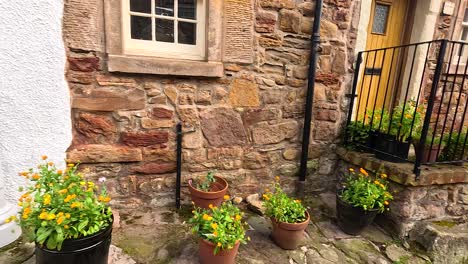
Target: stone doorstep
443, 241
402, 173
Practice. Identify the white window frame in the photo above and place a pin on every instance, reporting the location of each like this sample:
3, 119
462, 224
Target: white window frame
165, 49
464, 25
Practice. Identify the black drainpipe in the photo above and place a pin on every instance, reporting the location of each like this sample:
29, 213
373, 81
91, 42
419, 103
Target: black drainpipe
315, 41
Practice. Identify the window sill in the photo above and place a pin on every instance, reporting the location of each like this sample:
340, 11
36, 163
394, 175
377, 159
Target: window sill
152, 65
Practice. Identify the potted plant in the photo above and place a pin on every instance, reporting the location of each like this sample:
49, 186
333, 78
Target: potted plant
456, 148
208, 190
220, 231
361, 199
67, 217
405, 119
289, 217
431, 149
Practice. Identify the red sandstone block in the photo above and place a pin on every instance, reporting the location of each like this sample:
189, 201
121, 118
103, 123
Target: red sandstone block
84, 64
144, 139
154, 168
95, 153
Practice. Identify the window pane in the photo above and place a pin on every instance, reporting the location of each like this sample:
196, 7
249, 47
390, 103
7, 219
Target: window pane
140, 27
187, 33
165, 7
379, 24
464, 36
187, 9
465, 17
142, 6
164, 30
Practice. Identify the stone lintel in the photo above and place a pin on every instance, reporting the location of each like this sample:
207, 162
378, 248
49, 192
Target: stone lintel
153, 65
402, 173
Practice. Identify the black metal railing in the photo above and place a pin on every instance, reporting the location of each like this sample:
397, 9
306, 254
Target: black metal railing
411, 99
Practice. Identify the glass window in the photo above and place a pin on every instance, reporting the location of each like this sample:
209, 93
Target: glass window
165, 28
379, 24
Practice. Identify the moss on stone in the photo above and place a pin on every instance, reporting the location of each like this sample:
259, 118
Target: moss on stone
445, 223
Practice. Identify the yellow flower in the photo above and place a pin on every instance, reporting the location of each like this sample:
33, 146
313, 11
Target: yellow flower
82, 183
377, 182
63, 191
66, 226
36, 176
267, 190
20, 204
381, 185
386, 202
43, 215
38, 186
91, 184
297, 201
248, 238
47, 199
351, 169
106, 199
219, 244
70, 165
211, 206
69, 197
50, 163
44, 157
214, 225
207, 217
60, 220
215, 233
277, 178
364, 172
75, 204
51, 217
59, 172
67, 216
24, 173
226, 197
383, 176
266, 197
238, 217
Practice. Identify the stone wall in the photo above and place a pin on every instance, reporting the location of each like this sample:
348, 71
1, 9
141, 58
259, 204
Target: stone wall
246, 125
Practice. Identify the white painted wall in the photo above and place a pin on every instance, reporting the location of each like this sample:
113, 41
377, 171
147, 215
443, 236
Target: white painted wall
34, 97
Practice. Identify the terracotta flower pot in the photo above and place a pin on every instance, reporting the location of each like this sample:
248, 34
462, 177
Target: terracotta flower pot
215, 196
287, 235
351, 219
429, 154
207, 256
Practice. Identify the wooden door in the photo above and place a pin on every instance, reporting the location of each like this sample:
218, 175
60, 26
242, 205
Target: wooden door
386, 28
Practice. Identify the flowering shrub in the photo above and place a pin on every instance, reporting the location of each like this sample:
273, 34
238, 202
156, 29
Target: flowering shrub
62, 205
283, 208
360, 190
222, 226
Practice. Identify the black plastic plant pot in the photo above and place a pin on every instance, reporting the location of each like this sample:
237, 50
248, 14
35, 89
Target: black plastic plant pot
373, 139
93, 249
391, 149
353, 220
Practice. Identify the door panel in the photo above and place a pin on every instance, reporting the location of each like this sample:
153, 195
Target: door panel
386, 28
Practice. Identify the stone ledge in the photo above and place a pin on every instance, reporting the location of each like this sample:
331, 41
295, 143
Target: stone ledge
95, 153
402, 173
153, 65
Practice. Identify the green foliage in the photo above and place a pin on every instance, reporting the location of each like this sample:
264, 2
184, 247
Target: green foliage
360, 190
205, 183
404, 119
357, 133
455, 146
282, 207
62, 205
222, 226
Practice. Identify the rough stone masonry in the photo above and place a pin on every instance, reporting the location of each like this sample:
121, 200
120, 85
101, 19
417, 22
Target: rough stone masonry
246, 125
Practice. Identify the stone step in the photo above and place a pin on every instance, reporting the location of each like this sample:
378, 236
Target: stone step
443, 241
